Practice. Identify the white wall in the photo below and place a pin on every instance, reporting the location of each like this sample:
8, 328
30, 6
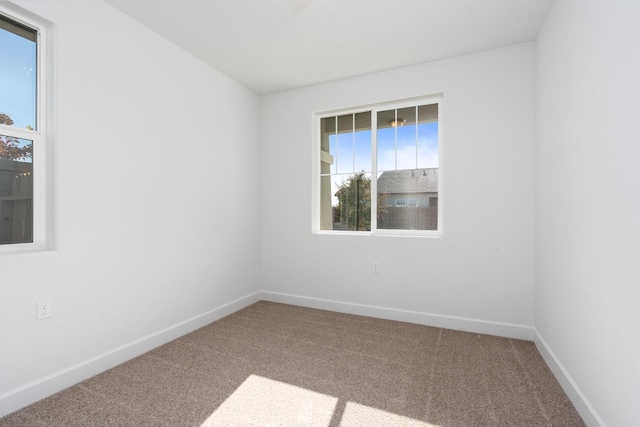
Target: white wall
483, 267
588, 203
148, 142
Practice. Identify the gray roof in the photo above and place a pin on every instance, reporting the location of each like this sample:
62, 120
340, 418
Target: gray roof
423, 181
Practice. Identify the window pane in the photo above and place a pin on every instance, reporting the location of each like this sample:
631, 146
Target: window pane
405, 200
333, 149
345, 179
345, 144
17, 75
327, 145
346, 202
407, 144
386, 137
408, 192
352, 208
428, 136
362, 161
16, 190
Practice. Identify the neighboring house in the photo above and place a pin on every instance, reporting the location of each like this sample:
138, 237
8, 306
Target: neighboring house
408, 199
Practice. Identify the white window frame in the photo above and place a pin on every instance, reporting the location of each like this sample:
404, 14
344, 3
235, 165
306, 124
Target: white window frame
38, 136
374, 108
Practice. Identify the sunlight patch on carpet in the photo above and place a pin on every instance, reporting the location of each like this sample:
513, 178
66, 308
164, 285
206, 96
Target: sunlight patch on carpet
361, 415
260, 401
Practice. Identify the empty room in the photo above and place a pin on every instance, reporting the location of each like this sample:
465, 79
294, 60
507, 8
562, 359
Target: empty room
319, 213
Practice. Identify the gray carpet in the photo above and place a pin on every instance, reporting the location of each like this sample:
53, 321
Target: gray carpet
280, 365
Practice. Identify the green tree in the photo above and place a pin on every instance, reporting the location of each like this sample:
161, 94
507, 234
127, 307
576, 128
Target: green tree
354, 203
10, 148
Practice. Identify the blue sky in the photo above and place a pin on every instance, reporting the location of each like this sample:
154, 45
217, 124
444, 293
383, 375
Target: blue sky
352, 151
412, 151
18, 79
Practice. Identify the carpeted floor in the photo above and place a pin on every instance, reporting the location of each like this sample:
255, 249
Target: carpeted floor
280, 365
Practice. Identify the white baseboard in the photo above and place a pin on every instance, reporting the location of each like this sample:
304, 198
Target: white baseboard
506, 330
32, 392
579, 400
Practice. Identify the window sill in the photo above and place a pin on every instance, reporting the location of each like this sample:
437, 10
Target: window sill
383, 233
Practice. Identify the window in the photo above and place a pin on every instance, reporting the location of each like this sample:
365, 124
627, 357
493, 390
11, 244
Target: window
21, 130
378, 169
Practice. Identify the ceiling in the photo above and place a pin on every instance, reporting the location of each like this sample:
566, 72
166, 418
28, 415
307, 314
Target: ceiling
275, 45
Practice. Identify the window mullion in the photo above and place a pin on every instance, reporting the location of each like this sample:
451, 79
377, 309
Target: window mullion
18, 132
395, 137
374, 170
353, 142
336, 153
417, 123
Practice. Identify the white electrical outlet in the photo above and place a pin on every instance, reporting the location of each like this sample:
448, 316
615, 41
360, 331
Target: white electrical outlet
376, 268
44, 309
